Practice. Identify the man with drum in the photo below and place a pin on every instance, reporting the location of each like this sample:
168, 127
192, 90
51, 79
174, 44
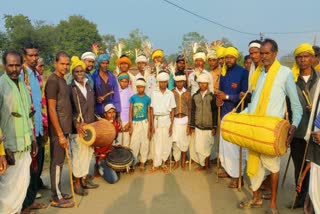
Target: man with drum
82, 100
275, 82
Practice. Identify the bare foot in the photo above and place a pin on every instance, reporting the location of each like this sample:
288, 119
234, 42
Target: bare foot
199, 168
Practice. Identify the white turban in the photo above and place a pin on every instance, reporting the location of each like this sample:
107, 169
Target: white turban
108, 107
163, 76
180, 78
255, 45
141, 58
203, 78
212, 55
88, 55
140, 82
199, 55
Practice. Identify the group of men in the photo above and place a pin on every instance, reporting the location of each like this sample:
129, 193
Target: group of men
157, 112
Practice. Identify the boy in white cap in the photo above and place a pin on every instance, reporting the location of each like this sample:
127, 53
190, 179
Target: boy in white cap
181, 130
139, 123
203, 122
162, 114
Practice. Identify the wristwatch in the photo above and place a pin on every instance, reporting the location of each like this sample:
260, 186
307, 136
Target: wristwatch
227, 97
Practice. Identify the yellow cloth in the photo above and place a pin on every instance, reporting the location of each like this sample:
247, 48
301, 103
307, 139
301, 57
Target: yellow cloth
304, 47
2, 152
157, 52
229, 51
220, 52
75, 62
317, 67
253, 157
123, 59
255, 76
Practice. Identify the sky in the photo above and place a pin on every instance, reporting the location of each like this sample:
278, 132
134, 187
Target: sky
165, 24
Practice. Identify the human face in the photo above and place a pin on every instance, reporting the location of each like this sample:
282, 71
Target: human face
247, 64
221, 61
78, 74
181, 65
230, 61
62, 65
103, 66
89, 63
203, 86
124, 83
180, 84
199, 63
158, 59
140, 89
304, 60
124, 67
110, 115
40, 68
163, 85
267, 55
31, 57
141, 66
255, 55
13, 66
213, 63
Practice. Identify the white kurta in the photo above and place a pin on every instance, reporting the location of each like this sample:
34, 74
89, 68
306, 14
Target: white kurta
81, 157
139, 141
179, 137
14, 184
229, 156
314, 187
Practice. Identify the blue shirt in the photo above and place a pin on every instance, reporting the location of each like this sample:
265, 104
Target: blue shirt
36, 95
140, 107
283, 86
234, 82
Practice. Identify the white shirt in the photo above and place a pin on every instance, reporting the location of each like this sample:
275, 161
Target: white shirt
82, 88
194, 84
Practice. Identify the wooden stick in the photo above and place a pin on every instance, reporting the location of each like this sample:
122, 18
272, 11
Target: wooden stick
240, 159
218, 143
70, 176
190, 147
286, 171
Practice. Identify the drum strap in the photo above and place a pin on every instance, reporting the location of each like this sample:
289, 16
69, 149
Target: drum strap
80, 117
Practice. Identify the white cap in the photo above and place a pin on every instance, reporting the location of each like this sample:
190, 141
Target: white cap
203, 78
140, 82
141, 58
199, 55
163, 76
180, 78
108, 107
212, 55
88, 55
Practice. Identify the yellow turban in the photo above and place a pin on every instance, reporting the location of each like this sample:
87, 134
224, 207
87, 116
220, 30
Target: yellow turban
304, 47
220, 52
229, 51
123, 59
157, 52
232, 51
75, 62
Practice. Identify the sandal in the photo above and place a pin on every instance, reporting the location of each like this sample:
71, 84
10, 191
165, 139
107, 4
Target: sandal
62, 204
266, 196
37, 206
66, 196
250, 204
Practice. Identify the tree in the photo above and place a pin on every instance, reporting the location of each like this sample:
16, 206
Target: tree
188, 40
110, 41
76, 35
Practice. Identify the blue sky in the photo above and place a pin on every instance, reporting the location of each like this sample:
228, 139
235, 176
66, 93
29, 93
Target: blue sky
165, 24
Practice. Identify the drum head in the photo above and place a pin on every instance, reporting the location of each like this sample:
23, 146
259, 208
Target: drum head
90, 135
119, 156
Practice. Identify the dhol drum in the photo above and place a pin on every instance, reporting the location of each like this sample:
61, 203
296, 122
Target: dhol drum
120, 159
99, 133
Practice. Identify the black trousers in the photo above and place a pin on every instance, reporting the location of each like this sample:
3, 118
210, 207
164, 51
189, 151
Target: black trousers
57, 156
35, 175
298, 147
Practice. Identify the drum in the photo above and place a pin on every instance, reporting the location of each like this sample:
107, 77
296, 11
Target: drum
120, 159
99, 133
262, 134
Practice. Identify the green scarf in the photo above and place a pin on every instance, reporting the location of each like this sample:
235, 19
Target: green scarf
22, 106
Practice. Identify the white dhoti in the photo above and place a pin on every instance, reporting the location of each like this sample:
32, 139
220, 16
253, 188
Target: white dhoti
202, 145
271, 163
314, 187
14, 184
162, 145
229, 157
81, 157
139, 140
123, 137
179, 137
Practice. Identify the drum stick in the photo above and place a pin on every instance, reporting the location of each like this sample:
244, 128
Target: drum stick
286, 171
307, 137
70, 176
307, 98
240, 160
190, 146
218, 144
107, 94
